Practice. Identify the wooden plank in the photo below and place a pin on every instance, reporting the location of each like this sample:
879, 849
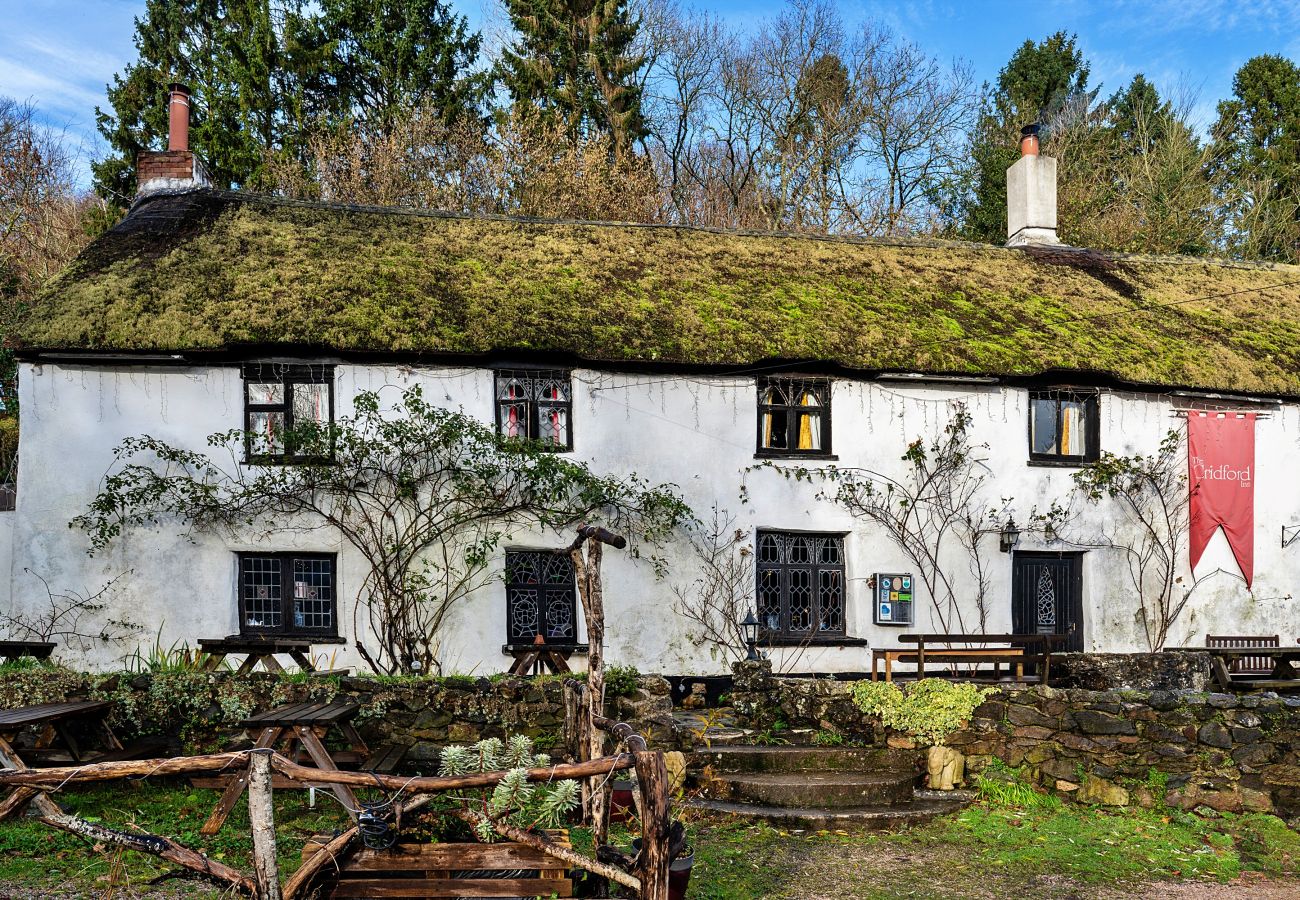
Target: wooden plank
405, 857
236, 787
454, 887
49, 713
320, 756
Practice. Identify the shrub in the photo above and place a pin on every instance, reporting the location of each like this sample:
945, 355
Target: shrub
930, 710
621, 681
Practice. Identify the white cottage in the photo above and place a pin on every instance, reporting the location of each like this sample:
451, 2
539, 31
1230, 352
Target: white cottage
710, 360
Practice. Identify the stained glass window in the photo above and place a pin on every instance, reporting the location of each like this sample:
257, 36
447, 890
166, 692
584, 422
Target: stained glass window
541, 597
535, 404
800, 584
286, 593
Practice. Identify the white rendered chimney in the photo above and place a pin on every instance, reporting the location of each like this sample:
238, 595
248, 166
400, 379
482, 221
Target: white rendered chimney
1031, 195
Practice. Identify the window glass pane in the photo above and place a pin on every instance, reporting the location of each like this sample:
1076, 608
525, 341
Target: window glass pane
830, 599
510, 389
514, 420
260, 392
769, 598
1074, 427
553, 426
559, 614
801, 599
311, 403
772, 393
1042, 426
313, 594
774, 426
810, 431
522, 614
261, 591
267, 432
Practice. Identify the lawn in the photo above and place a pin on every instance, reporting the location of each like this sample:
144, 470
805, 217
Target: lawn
1001, 846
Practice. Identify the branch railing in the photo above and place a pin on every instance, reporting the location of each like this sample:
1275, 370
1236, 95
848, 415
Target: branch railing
646, 873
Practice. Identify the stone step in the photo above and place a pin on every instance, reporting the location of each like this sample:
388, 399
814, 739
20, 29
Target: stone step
921, 810
825, 790
739, 758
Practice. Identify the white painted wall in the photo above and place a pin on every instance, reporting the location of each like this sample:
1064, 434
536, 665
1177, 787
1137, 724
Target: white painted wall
697, 432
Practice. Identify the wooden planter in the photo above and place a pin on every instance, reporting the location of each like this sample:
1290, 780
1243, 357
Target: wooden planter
504, 869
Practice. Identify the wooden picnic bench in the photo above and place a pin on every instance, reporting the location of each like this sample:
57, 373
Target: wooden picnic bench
256, 650
12, 650
537, 658
1280, 673
1246, 665
1035, 649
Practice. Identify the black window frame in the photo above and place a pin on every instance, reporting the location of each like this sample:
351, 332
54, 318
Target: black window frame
287, 559
288, 375
1091, 401
784, 633
533, 406
790, 383
568, 590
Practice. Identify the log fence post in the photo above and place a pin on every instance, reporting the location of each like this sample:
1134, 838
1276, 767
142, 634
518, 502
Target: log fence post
655, 862
261, 814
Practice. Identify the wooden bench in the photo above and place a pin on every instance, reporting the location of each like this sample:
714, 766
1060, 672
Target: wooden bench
1021, 649
12, 650
447, 870
386, 758
1246, 665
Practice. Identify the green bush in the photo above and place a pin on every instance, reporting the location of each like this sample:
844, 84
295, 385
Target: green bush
930, 709
621, 681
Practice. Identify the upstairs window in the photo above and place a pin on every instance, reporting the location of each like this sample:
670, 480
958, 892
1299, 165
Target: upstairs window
278, 399
800, 582
535, 405
541, 597
287, 594
1063, 427
794, 417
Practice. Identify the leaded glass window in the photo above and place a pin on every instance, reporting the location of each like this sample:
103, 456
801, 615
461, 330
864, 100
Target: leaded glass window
1063, 427
541, 597
282, 402
535, 404
800, 584
287, 593
794, 417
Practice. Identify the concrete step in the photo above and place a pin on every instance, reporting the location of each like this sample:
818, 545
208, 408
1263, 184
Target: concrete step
825, 790
739, 758
867, 818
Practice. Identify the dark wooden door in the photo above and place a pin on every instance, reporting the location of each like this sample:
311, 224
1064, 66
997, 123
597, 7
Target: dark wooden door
1047, 595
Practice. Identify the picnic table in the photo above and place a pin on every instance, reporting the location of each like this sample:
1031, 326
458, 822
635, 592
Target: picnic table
1283, 676
53, 720
299, 728
1020, 649
12, 650
256, 650
535, 658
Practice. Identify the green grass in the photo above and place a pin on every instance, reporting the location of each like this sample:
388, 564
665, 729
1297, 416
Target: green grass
1013, 841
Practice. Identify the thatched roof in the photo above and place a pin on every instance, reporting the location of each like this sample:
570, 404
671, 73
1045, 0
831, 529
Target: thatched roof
218, 271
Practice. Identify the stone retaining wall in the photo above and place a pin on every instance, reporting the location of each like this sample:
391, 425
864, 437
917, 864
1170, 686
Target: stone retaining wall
202, 710
1185, 748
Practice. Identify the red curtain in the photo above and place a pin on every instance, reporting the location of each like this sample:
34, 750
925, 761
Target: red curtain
1221, 478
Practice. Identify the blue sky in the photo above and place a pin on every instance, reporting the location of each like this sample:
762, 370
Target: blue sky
59, 54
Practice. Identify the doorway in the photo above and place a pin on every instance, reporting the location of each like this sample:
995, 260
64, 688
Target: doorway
1047, 595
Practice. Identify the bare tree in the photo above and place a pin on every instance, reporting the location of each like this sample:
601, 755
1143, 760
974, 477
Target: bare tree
72, 618
718, 600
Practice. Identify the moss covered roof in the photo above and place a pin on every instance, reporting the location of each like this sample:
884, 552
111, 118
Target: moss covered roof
215, 271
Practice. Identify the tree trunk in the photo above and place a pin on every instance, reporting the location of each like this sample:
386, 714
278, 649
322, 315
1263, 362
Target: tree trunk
261, 814
593, 608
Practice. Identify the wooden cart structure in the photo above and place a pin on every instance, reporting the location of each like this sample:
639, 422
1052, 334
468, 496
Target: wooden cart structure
646, 874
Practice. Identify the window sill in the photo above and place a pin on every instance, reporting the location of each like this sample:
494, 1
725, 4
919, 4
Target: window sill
268, 636
1059, 463
778, 455
840, 641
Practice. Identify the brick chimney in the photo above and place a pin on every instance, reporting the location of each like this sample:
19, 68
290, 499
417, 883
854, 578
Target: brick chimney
1031, 195
176, 168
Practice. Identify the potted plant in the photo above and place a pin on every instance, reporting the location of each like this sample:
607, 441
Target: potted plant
927, 712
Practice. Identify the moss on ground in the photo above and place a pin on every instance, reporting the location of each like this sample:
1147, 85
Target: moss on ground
213, 271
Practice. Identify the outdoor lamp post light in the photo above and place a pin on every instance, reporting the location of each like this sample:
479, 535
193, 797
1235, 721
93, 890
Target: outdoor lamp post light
1010, 534
750, 628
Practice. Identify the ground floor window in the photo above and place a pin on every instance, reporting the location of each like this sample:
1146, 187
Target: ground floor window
800, 582
287, 593
541, 597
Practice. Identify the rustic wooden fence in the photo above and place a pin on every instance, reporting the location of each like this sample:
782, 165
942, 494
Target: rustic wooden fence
646, 873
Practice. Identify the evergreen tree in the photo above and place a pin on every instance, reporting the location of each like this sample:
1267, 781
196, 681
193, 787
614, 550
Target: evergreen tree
1037, 83
382, 59
574, 63
1258, 147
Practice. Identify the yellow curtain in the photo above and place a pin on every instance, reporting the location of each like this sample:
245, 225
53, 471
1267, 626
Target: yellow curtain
805, 424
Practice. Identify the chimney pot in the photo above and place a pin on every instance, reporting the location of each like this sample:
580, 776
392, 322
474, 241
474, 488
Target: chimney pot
178, 118
1029, 140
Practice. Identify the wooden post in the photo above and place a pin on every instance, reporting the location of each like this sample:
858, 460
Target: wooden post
261, 814
593, 607
654, 863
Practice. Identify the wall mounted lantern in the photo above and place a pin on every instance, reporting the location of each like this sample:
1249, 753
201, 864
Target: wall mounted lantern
1010, 534
749, 626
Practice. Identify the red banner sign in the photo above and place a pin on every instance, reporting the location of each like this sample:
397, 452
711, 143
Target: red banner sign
1221, 473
